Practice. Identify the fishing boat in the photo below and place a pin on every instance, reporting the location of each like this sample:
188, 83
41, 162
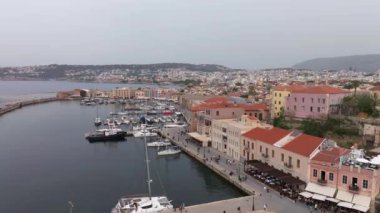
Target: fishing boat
143, 204
144, 133
169, 150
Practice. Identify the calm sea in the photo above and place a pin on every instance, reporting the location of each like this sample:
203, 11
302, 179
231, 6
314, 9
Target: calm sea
46, 162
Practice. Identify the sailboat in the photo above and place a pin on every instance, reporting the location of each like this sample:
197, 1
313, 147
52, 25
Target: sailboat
143, 204
98, 121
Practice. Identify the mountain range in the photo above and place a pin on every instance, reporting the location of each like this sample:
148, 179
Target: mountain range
365, 63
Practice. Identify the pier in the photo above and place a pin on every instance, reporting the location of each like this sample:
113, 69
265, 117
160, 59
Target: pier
17, 105
231, 172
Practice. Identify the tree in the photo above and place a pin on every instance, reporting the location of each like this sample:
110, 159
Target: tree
355, 84
313, 127
280, 121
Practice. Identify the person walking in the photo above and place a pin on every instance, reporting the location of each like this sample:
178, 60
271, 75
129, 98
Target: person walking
265, 207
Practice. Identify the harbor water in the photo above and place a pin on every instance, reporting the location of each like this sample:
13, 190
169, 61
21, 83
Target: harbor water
46, 162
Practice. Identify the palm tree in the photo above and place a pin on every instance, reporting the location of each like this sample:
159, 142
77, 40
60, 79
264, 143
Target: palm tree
355, 84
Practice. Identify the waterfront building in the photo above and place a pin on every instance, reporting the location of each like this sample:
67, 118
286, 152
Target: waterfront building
314, 102
278, 96
124, 92
285, 150
226, 133
345, 175
207, 113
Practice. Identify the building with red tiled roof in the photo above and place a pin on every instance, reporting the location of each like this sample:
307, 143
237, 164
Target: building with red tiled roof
278, 95
260, 110
217, 99
304, 145
289, 151
314, 102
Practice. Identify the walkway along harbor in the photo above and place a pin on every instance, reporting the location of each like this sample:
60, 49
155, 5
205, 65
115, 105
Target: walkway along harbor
231, 172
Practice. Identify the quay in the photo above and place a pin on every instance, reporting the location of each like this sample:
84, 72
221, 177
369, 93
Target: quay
17, 105
231, 172
233, 205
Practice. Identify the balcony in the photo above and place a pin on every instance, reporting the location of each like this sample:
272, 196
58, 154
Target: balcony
288, 165
322, 181
264, 155
353, 188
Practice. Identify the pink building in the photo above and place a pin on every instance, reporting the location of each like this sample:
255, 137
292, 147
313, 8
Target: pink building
314, 102
338, 176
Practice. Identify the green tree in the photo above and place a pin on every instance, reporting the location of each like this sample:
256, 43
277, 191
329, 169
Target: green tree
313, 127
280, 121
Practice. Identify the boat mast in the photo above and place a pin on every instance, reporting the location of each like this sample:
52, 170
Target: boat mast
147, 163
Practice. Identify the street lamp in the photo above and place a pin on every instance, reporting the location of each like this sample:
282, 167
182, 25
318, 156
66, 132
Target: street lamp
253, 201
71, 206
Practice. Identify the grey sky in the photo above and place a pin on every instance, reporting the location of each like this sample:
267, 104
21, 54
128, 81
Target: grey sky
235, 33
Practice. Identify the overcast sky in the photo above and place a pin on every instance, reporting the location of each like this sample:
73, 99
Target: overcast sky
235, 33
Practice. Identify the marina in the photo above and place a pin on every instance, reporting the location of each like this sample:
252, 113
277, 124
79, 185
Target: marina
91, 175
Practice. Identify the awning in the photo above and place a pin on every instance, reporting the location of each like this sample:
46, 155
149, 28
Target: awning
345, 205
332, 200
361, 200
199, 137
322, 190
344, 196
319, 197
306, 194
360, 208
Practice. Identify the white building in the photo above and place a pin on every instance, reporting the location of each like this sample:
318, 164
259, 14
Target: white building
226, 133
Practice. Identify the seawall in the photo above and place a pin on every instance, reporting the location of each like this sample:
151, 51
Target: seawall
13, 106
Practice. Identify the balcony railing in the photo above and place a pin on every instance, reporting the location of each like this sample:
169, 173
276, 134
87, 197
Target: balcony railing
265, 155
288, 165
322, 181
353, 188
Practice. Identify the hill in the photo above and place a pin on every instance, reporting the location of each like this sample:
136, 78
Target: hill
365, 63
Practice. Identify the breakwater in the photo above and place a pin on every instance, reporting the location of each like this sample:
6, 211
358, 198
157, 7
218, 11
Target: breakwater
17, 105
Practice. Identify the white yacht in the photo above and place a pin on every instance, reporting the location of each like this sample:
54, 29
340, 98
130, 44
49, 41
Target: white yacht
159, 143
143, 204
143, 133
169, 150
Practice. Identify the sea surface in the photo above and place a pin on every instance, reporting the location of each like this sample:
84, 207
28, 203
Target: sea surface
46, 162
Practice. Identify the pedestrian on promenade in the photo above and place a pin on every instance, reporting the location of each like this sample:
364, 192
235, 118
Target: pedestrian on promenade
239, 209
265, 207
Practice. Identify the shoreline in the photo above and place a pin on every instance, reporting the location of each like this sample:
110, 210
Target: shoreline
9, 107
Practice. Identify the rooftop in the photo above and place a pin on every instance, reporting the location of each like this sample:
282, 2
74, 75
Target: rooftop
322, 90
270, 136
331, 155
303, 144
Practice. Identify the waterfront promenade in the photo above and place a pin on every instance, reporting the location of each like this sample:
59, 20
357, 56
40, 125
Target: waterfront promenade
251, 186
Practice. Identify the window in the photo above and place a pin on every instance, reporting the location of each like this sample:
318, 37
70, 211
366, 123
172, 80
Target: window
319, 100
303, 100
282, 156
344, 180
365, 184
252, 145
266, 151
243, 142
275, 94
290, 160
298, 163
233, 113
311, 109
318, 109
275, 102
312, 100
279, 102
272, 153
279, 94
295, 99
217, 113
315, 173
323, 100
295, 107
303, 108
331, 176
261, 148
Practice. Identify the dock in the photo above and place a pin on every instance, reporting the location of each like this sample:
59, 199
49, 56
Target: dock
17, 105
